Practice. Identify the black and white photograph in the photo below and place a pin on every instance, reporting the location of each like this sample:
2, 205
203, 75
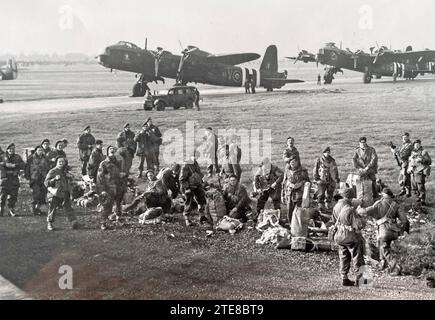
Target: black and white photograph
232, 152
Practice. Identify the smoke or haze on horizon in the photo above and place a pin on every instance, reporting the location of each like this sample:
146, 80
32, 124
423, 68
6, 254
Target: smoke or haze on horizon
219, 26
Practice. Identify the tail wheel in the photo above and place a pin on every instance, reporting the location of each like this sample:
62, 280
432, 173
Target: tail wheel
160, 106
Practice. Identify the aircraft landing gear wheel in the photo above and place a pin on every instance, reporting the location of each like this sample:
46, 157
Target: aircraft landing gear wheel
160, 106
176, 107
367, 78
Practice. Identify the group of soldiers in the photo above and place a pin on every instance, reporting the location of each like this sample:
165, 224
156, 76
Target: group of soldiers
49, 175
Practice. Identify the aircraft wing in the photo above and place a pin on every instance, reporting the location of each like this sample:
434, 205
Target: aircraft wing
414, 56
279, 82
233, 59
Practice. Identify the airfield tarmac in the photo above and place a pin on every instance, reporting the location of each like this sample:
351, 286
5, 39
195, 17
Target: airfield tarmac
171, 261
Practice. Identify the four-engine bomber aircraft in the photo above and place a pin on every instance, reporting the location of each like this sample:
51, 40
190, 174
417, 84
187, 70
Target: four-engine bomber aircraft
193, 65
379, 63
9, 71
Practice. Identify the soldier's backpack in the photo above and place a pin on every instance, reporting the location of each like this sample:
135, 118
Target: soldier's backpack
364, 192
215, 207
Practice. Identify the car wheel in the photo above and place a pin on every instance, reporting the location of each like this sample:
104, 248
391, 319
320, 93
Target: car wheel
160, 106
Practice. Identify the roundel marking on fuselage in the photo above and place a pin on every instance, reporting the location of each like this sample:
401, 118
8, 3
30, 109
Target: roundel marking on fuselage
237, 76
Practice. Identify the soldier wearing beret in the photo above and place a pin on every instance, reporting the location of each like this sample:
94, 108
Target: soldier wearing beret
97, 156
387, 213
125, 139
10, 166
36, 170
46, 147
347, 235
85, 144
148, 142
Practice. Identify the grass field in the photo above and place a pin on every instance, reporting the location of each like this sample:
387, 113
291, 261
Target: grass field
148, 262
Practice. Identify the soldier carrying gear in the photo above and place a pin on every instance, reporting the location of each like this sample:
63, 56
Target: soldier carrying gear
386, 213
419, 168
109, 180
402, 156
58, 183
10, 166
191, 186
36, 170
346, 233
295, 177
365, 160
290, 151
325, 173
126, 139
236, 199
85, 144
268, 183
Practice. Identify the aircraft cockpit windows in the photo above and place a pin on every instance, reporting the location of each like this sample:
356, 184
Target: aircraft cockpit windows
128, 45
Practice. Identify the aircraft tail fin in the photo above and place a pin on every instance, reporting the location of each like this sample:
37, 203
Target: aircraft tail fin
270, 60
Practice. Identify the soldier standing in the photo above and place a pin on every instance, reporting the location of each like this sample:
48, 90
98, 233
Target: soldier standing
109, 186
365, 160
347, 236
142, 149
325, 173
234, 157
295, 177
419, 168
10, 166
268, 182
95, 159
386, 213
126, 139
290, 151
85, 143
36, 170
402, 156
58, 182
191, 186
196, 98
155, 140
247, 86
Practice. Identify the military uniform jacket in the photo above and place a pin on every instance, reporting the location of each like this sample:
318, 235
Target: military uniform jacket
108, 177
126, 158
293, 183
95, 160
420, 162
37, 168
326, 170
404, 153
143, 143
51, 158
263, 180
155, 136
126, 139
83, 143
9, 176
380, 209
191, 176
236, 196
366, 158
289, 153
60, 188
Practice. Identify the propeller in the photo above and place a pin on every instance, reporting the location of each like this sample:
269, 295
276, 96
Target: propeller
157, 56
185, 54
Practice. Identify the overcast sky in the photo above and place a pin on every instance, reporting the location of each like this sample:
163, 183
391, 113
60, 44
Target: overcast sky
219, 26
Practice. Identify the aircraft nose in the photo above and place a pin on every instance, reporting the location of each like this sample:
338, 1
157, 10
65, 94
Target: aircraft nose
102, 59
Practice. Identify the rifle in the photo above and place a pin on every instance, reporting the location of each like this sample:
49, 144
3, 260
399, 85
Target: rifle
392, 146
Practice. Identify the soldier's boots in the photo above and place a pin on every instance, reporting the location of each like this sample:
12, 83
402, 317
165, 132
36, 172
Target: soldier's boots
50, 226
12, 212
187, 221
348, 283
